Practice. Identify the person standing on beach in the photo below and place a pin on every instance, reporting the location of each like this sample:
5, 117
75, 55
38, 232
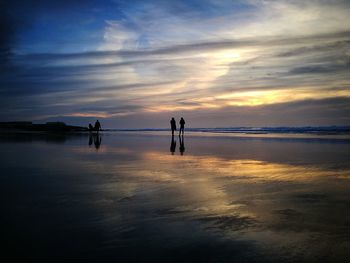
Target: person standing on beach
182, 126
173, 125
97, 126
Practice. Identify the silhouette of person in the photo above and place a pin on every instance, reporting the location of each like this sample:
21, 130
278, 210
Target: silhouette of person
97, 141
172, 145
90, 127
173, 125
97, 126
182, 144
182, 126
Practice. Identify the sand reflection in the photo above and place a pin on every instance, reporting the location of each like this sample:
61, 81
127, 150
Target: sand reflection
262, 197
236, 196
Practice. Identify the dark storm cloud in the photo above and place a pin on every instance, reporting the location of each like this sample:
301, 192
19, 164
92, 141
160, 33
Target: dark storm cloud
22, 88
342, 102
184, 48
114, 109
130, 86
188, 48
320, 69
51, 83
35, 67
101, 108
328, 47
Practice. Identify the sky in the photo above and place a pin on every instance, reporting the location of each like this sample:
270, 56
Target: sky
136, 64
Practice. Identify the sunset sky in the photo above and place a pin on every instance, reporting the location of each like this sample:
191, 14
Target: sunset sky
135, 64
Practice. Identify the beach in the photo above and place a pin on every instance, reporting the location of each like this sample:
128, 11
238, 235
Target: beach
132, 197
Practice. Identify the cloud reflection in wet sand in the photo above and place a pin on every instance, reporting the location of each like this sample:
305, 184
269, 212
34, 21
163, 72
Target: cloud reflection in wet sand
284, 208
141, 198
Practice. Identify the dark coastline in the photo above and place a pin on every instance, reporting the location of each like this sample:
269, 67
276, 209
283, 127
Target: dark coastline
23, 126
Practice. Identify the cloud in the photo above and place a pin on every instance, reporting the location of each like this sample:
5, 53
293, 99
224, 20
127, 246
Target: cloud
334, 111
327, 47
162, 57
196, 47
320, 69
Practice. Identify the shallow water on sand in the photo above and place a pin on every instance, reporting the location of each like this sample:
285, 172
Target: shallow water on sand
127, 197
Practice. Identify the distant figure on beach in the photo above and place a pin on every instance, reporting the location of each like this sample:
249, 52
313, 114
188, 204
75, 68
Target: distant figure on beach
97, 126
182, 145
173, 125
90, 127
182, 126
172, 145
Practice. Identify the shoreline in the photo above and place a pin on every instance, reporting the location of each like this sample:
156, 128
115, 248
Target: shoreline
189, 134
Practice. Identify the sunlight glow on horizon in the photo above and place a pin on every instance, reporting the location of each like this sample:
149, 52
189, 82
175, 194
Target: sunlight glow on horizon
135, 58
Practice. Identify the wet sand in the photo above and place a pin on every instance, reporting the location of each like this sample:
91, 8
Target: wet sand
126, 197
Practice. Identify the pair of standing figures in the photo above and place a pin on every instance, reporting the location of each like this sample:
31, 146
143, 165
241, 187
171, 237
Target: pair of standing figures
173, 126
97, 126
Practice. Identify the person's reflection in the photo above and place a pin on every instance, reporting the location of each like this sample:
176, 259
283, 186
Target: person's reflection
90, 140
172, 145
96, 139
182, 144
